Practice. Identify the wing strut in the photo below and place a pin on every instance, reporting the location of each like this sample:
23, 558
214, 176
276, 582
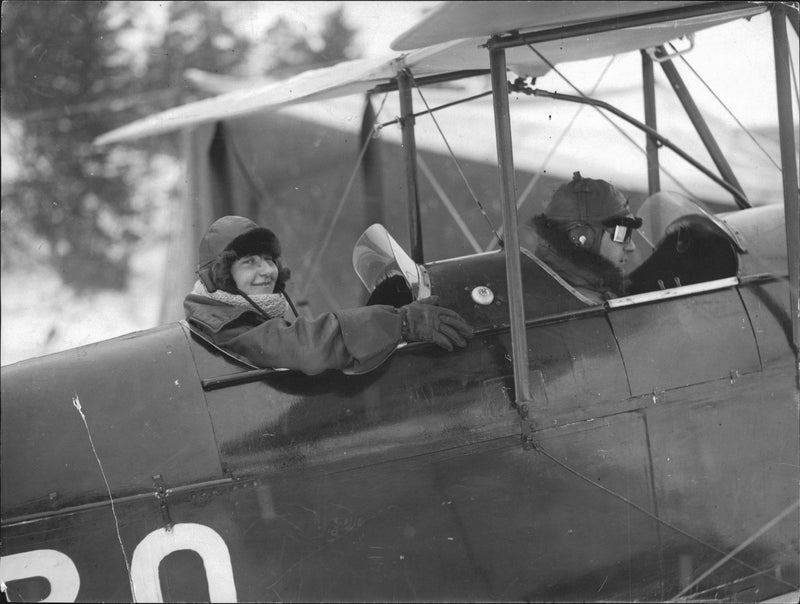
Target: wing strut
410, 154
701, 127
791, 202
508, 199
649, 89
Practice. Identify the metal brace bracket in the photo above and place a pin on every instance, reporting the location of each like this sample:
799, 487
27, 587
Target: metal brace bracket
161, 493
658, 58
658, 393
528, 428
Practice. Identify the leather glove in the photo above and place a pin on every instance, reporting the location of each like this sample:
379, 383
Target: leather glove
424, 321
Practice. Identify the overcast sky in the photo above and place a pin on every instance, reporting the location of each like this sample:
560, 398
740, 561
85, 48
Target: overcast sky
735, 60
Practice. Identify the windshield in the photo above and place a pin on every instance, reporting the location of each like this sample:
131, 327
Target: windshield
377, 257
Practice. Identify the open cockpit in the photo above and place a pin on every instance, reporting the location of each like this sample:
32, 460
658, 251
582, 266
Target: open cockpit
681, 244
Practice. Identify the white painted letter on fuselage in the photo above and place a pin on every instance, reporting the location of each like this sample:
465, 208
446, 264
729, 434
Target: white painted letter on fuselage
187, 536
57, 568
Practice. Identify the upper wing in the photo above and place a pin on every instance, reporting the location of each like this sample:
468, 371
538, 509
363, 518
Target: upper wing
444, 49
451, 21
349, 77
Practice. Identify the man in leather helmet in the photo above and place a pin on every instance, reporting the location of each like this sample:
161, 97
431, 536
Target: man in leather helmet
585, 235
239, 303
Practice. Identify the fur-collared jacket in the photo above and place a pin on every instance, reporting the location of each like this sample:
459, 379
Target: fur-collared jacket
354, 340
592, 275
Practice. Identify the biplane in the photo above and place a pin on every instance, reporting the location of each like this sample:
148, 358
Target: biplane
642, 449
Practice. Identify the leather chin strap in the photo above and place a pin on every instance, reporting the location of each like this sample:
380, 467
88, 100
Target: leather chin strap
291, 304
259, 310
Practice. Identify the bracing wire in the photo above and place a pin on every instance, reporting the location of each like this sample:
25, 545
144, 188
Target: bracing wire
724, 106
608, 119
727, 556
455, 160
448, 204
439, 108
345, 195
532, 183
796, 88
258, 185
546, 162
730, 556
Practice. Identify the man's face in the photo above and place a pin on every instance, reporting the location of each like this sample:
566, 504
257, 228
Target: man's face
255, 274
615, 252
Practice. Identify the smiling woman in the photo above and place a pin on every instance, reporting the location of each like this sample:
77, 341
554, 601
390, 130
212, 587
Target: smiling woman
239, 303
236, 255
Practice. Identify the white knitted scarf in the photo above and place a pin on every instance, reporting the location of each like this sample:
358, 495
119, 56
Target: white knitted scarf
274, 305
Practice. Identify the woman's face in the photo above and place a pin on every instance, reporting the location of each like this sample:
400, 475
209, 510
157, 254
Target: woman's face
255, 274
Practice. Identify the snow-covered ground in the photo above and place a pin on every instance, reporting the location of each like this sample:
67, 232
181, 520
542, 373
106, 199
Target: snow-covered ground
41, 316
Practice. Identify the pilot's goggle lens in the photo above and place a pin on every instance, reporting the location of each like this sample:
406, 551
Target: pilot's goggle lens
622, 234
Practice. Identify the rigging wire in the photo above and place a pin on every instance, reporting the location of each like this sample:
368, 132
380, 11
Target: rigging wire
688, 193
740, 547
438, 108
259, 186
727, 555
796, 87
610, 121
455, 160
345, 195
476, 247
724, 106
561, 137
530, 186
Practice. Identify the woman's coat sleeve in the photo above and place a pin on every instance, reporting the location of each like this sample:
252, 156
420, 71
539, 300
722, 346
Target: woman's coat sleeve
354, 340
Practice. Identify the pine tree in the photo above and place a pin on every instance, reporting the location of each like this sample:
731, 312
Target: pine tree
67, 77
287, 47
55, 66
